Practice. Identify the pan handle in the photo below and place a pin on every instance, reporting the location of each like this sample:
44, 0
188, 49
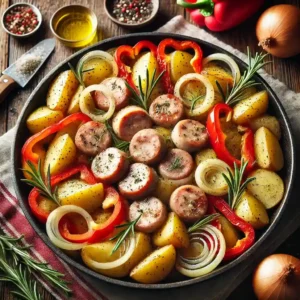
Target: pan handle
7, 84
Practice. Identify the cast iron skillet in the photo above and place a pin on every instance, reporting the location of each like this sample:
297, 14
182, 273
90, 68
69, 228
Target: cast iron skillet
37, 99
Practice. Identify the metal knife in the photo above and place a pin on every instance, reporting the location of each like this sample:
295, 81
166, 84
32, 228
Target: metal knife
21, 71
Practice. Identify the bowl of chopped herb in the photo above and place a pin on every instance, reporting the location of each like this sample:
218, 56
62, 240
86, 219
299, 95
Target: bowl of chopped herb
131, 13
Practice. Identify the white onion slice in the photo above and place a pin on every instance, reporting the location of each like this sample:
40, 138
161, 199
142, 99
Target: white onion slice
53, 229
235, 70
209, 99
102, 55
87, 104
129, 249
209, 178
208, 259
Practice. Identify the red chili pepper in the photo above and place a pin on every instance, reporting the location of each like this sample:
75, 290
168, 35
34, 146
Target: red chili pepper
243, 244
126, 51
218, 138
85, 174
220, 15
27, 152
164, 64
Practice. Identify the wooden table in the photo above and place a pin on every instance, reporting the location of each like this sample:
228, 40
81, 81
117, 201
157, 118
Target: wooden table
286, 70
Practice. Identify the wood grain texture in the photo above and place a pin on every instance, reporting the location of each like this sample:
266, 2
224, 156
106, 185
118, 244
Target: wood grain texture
286, 70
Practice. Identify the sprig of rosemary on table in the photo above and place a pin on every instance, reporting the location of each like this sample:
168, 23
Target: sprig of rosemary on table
141, 98
204, 221
118, 143
235, 186
18, 271
79, 74
121, 236
176, 164
44, 186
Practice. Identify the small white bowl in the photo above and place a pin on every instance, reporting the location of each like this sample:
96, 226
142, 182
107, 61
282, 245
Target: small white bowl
34, 9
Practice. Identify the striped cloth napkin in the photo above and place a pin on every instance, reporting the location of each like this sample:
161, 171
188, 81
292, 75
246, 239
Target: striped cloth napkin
13, 221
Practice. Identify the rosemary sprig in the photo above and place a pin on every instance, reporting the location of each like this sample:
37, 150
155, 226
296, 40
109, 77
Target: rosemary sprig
194, 101
204, 221
235, 185
18, 271
121, 236
118, 143
246, 81
44, 186
176, 164
79, 74
141, 98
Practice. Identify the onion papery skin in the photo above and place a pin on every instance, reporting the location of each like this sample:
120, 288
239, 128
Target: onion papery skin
277, 277
278, 30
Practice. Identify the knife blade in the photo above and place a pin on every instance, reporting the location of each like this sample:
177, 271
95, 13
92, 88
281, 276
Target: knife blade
22, 71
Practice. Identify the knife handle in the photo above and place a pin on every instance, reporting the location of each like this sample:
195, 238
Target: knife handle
7, 84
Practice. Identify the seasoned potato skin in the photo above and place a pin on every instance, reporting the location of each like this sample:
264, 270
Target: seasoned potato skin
70, 129
229, 231
74, 103
268, 151
267, 121
204, 155
166, 134
46, 204
61, 91
172, 232
267, 187
180, 64
155, 267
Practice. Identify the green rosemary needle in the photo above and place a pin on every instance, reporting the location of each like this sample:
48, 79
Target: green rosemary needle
204, 221
118, 143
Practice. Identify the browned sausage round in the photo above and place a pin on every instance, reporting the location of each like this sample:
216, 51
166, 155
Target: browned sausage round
92, 138
178, 164
129, 120
189, 135
189, 202
119, 91
147, 146
139, 183
166, 110
154, 214
110, 165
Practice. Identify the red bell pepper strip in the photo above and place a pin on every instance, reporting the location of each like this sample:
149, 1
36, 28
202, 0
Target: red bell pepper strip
247, 241
27, 152
164, 64
218, 138
220, 15
85, 174
126, 51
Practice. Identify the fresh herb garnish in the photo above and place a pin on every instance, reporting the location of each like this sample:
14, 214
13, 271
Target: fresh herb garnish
195, 100
80, 72
204, 221
44, 186
121, 236
138, 96
176, 164
118, 143
17, 266
235, 185
162, 108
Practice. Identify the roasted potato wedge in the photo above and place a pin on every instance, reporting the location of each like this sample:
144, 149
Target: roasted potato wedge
180, 64
252, 211
46, 204
70, 129
267, 121
172, 232
156, 266
61, 91
74, 103
164, 189
268, 152
204, 155
267, 187
166, 134
230, 233
250, 108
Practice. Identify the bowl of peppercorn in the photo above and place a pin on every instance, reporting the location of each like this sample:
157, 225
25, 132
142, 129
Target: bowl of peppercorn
21, 20
131, 13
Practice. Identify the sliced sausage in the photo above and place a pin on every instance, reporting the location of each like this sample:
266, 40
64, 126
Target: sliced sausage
189, 202
139, 183
119, 91
177, 164
110, 165
189, 135
154, 214
166, 110
129, 120
147, 146
92, 138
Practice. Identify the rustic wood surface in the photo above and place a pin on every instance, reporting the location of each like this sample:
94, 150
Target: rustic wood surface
286, 70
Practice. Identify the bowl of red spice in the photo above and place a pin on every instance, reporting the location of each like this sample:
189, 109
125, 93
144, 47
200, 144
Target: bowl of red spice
21, 20
131, 13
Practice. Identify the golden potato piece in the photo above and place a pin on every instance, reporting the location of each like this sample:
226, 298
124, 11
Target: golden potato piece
250, 108
155, 267
74, 103
180, 64
268, 152
252, 211
267, 121
164, 189
172, 232
267, 187
46, 204
166, 134
70, 129
230, 233
204, 155
61, 91
43, 117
